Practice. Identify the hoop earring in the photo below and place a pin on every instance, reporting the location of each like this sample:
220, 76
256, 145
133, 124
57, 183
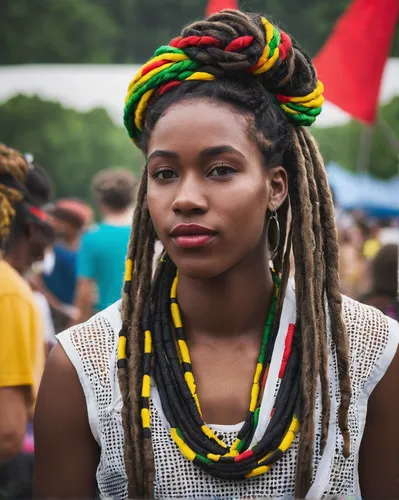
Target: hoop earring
274, 216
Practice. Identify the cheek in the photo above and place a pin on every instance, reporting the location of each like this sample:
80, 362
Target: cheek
247, 208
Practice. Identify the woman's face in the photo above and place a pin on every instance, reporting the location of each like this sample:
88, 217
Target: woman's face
208, 190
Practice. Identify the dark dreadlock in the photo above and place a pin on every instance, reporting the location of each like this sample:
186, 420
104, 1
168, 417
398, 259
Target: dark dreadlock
307, 229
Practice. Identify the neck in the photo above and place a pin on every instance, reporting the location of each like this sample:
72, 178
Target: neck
118, 218
72, 243
16, 261
232, 305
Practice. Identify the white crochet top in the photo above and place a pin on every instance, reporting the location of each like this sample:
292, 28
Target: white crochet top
92, 349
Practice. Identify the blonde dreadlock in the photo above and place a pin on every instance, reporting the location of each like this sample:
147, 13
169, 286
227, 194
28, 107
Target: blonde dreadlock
13, 170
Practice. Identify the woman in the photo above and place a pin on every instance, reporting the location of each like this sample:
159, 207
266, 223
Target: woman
233, 380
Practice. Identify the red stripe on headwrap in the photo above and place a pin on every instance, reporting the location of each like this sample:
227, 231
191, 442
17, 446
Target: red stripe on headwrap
175, 41
282, 98
168, 86
152, 66
194, 41
241, 42
285, 45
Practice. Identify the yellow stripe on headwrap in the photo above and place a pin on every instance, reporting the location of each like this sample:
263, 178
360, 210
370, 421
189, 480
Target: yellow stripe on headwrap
316, 93
268, 64
200, 75
145, 79
170, 56
141, 108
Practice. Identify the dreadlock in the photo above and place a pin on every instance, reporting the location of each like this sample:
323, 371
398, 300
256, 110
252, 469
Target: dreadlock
13, 171
243, 61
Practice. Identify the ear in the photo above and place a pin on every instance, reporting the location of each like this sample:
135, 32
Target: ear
278, 187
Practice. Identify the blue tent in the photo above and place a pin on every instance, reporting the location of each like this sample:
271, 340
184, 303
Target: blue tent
375, 197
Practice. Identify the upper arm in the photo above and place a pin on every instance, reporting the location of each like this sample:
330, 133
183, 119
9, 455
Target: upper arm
14, 402
379, 452
66, 454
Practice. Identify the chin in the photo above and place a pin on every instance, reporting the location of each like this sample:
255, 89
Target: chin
199, 268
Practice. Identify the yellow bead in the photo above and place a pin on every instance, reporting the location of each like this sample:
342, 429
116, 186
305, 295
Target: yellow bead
122, 347
176, 315
145, 418
145, 391
258, 471
128, 270
183, 447
147, 342
259, 368
254, 397
211, 435
173, 290
185, 356
190, 382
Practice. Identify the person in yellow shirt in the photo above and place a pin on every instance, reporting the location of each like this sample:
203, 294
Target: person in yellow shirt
24, 235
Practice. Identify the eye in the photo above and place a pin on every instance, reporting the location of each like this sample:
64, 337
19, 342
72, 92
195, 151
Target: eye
164, 174
222, 171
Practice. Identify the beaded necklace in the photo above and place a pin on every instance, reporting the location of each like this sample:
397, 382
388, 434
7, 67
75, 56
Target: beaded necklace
167, 358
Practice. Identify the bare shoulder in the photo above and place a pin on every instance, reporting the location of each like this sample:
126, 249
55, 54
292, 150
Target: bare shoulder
66, 453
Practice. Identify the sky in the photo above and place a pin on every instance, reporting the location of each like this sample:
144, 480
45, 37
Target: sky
84, 87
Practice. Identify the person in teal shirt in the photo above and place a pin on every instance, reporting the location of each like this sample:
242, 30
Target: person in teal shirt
102, 254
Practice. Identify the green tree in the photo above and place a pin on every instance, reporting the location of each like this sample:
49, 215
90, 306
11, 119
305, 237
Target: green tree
128, 31
71, 146
341, 144
55, 31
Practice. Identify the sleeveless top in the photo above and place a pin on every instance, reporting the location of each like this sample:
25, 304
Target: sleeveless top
92, 349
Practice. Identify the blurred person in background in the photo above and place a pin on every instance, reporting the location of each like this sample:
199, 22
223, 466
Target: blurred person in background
103, 250
57, 277
24, 234
383, 293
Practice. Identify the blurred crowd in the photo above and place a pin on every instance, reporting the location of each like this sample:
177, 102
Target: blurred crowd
62, 261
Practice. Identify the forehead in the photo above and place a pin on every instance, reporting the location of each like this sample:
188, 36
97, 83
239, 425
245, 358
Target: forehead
195, 125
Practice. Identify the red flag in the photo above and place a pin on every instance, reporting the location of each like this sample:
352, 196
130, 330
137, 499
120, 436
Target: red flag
352, 61
218, 5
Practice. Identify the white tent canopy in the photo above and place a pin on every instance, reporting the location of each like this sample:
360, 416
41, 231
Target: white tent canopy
86, 86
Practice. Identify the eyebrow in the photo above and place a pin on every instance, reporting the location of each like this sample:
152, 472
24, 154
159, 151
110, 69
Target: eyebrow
204, 154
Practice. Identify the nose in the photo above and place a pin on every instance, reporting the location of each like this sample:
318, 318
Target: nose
190, 197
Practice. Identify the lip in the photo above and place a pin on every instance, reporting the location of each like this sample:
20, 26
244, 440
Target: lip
192, 235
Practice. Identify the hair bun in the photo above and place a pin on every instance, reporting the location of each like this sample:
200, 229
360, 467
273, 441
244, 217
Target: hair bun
229, 43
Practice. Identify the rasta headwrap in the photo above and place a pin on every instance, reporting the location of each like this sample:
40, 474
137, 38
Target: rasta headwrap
205, 57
